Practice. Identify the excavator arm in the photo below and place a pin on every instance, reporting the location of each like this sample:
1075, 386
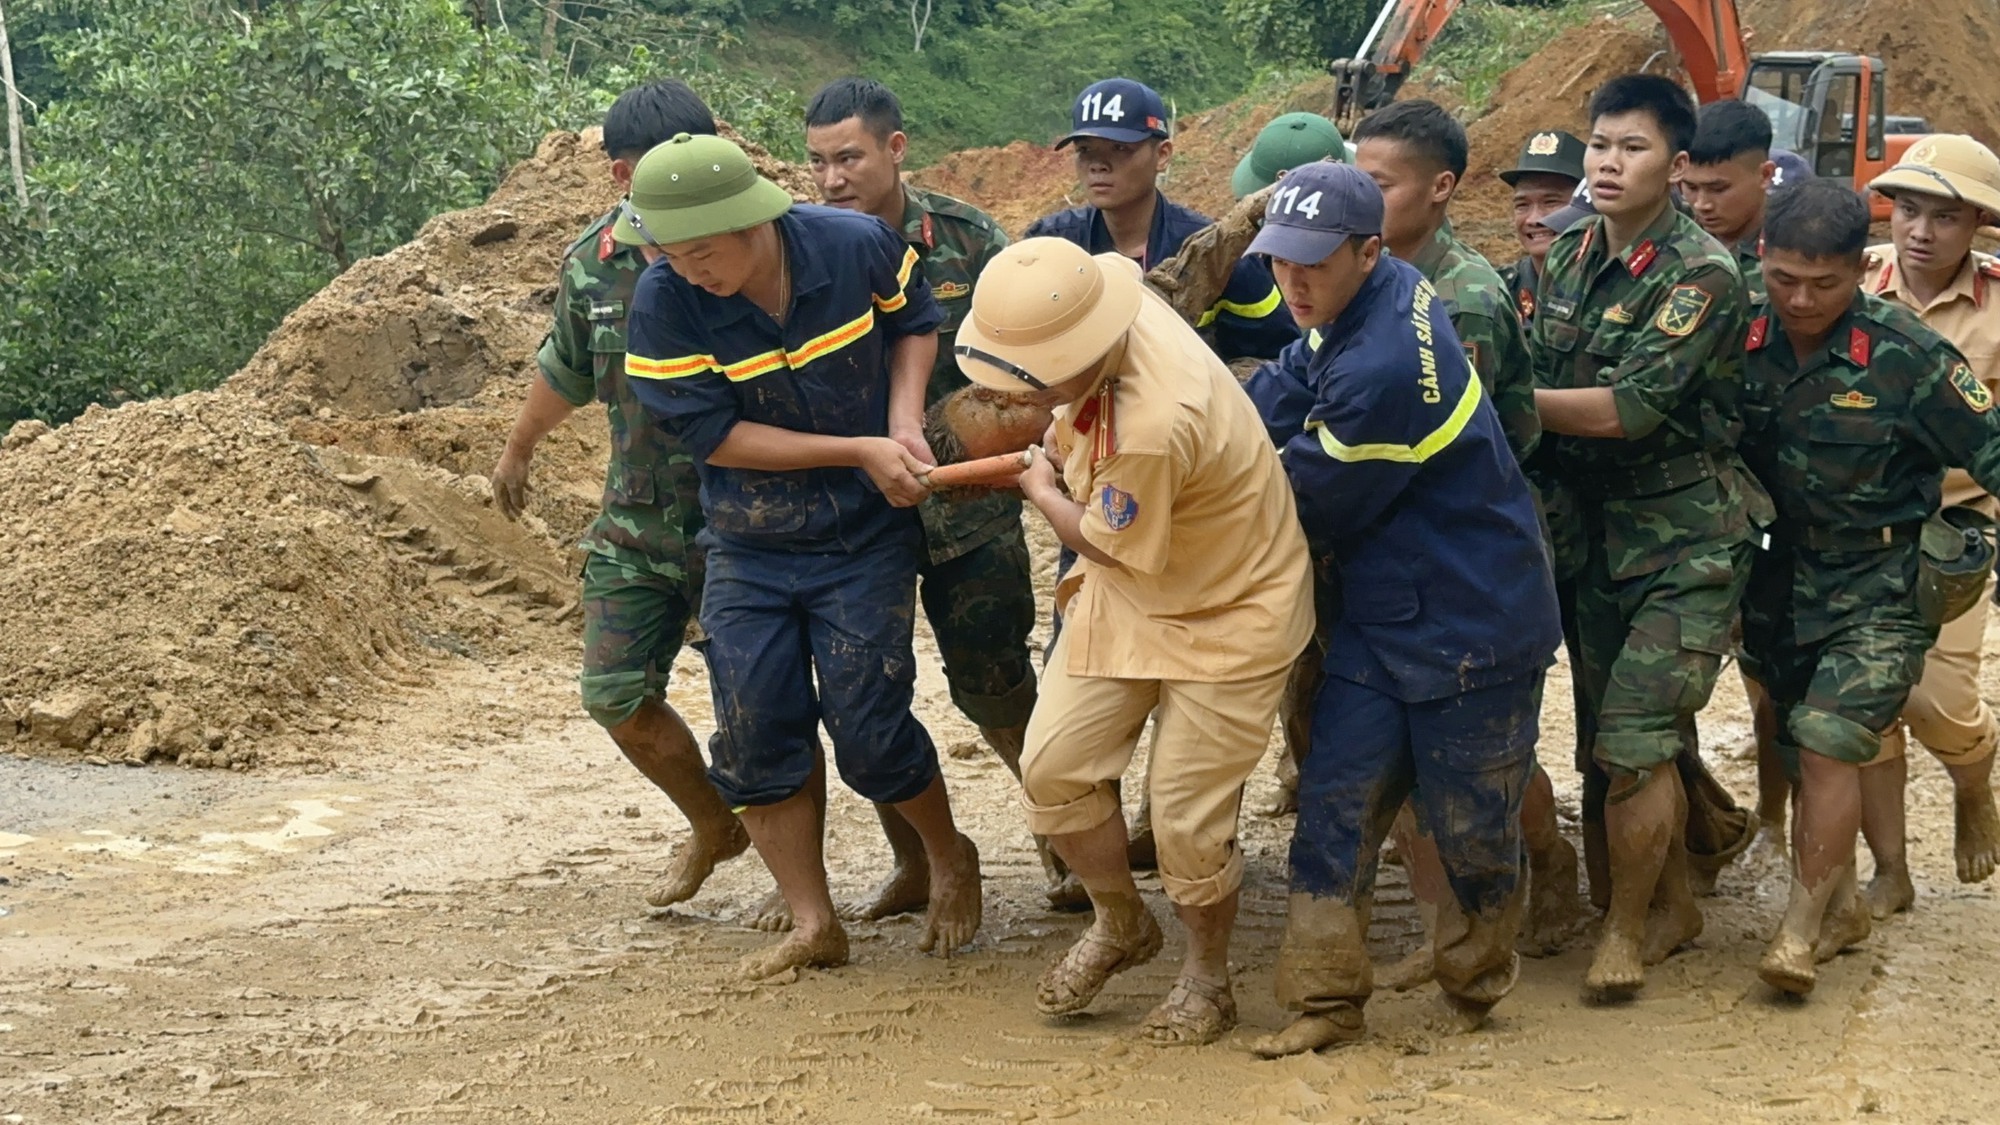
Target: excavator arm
1402, 32
1705, 33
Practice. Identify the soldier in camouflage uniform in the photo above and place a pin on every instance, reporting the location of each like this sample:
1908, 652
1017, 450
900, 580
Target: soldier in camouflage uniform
1542, 179
1416, 153
1731, 169
642, 574
1853, 409
1638, 356
976, 586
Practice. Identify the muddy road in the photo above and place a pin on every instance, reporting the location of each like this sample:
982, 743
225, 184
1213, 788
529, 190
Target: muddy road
445, 924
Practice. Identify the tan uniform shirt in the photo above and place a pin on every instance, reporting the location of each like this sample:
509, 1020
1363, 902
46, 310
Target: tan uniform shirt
1967, 313
1180, 485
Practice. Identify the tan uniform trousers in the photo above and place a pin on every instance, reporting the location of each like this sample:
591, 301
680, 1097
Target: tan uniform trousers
1206, 740
1945, 712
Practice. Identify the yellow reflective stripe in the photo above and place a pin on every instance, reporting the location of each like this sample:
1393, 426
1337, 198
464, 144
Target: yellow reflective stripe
833, 341
900, 297
1314, 339
1205, 319
1256, 311
819, 346
679, 368
1410, 454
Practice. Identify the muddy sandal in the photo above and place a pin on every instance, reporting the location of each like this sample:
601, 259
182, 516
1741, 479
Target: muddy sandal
1069, 986
1194, 1014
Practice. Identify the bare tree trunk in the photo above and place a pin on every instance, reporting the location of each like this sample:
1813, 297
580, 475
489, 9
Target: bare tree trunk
920, 22
551, 9
14, 150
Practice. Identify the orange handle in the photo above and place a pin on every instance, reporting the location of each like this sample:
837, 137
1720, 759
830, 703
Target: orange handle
1000, 470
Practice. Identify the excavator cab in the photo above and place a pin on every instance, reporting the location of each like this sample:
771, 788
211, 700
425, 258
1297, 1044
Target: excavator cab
1830, 109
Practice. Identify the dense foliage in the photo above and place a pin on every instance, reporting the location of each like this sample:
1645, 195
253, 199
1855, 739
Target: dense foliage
199, 167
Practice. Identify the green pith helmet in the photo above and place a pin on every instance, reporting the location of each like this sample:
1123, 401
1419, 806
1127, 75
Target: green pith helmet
1290, 140
695, 187
1956, 555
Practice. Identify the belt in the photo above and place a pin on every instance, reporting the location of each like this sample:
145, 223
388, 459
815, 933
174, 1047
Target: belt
1649, 479
1851, 538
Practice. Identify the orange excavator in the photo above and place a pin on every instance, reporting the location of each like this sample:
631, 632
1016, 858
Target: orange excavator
1827, 106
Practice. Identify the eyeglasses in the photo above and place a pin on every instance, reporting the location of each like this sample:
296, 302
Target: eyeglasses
992, 360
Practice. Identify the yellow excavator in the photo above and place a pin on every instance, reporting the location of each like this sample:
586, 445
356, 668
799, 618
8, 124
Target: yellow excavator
1829, 107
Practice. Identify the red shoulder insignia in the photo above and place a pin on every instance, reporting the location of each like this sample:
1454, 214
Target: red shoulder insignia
1642, 258
1979, 278
1858, 347
1524, 300
1760, 331
1882, 279
607, 244
930, 237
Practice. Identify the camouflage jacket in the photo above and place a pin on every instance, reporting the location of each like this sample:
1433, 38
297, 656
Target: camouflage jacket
954, 241
1662, 325
652, 499
1853, 441
1489, 327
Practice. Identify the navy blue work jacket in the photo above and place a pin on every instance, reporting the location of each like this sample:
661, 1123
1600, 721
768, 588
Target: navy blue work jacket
702, 363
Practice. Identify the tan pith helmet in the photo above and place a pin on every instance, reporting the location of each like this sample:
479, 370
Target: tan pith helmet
1045, 310
1949, 166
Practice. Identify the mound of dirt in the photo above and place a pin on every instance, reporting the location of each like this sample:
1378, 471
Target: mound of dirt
183, 578
1016, 184
464, 303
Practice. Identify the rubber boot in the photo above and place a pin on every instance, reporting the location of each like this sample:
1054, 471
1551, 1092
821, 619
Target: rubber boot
1789, 963
1323, 974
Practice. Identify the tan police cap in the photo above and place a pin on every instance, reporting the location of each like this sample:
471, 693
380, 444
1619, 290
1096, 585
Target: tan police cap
1043, 311
1948, 165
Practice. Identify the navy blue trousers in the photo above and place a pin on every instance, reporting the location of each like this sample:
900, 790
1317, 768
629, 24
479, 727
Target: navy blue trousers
797, 638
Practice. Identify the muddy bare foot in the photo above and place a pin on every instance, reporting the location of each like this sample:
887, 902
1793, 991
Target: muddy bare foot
824, 949
905, 891
1109, 947
1890, 892
1312, 1032
1418, 967
1555, 908
773, 915
694, 861
1194, 1014
956, 905
1978, 834
1455, 1015
1668, 927
1616, 971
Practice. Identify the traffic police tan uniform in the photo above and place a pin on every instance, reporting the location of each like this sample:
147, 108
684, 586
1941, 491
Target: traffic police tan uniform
1945, 710
1207, 607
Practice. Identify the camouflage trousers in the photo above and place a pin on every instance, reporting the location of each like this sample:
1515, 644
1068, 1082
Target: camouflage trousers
1835, 694
981, 606
635, 619
1650, 650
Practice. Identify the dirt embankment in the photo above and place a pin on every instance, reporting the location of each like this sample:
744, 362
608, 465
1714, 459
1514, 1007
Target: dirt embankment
213, 579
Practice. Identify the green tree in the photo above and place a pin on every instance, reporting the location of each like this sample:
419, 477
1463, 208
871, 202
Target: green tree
210, 167
1294, 33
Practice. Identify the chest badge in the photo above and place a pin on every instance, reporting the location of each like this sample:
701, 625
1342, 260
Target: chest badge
1120, 507
1618, 314
1684, 309
1971, 389
607, 310
1853, 400
950, 290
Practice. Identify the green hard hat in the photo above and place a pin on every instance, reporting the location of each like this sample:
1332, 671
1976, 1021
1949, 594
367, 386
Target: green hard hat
695, 187
1290, 140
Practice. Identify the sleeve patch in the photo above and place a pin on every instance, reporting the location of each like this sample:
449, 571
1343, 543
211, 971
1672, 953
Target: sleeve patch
1971, 389
1686, 306
1119, 507
1472, 355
